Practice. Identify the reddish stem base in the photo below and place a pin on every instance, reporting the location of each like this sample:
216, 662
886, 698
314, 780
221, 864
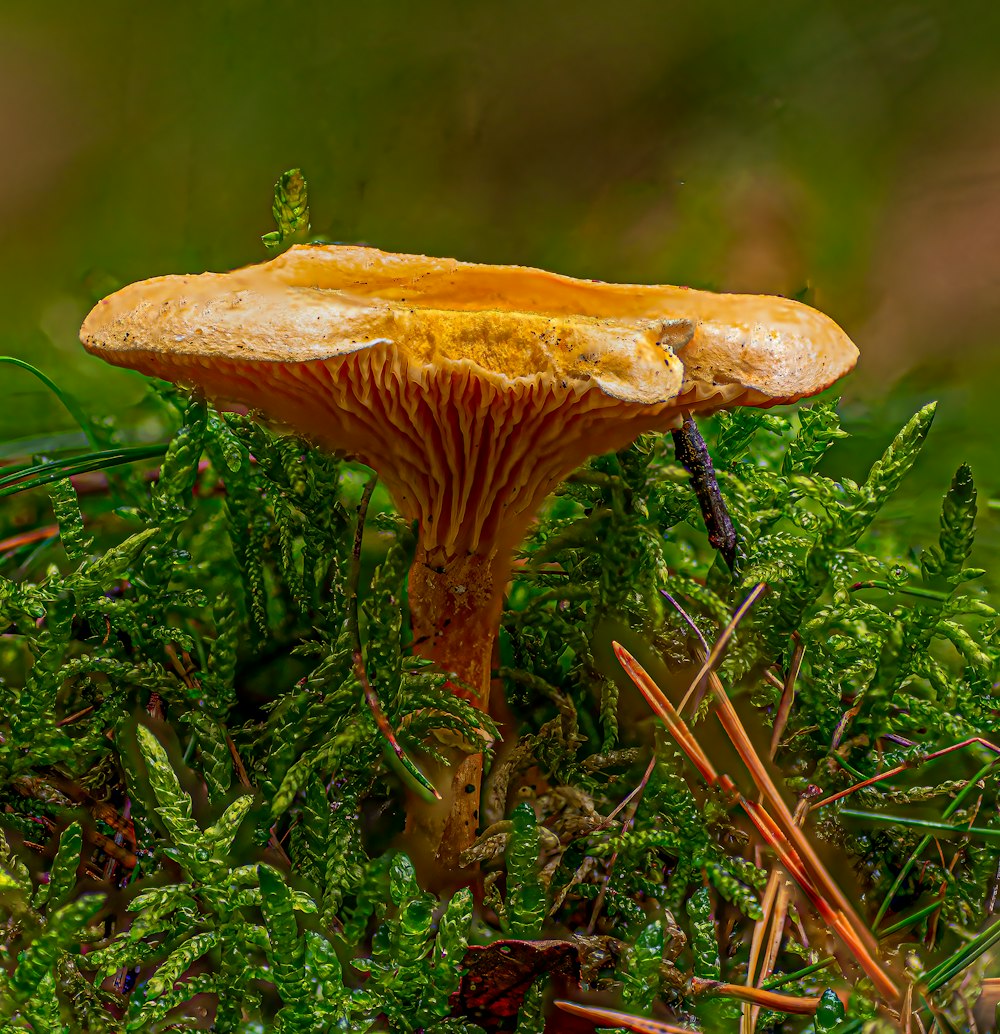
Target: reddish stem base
455, 610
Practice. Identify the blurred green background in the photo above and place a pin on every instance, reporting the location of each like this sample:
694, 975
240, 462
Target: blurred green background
848, 153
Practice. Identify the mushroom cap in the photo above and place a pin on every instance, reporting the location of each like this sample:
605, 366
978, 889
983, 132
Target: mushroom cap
472, 389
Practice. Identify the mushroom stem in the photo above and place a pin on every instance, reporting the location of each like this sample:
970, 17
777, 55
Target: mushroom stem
454, 610
455, 607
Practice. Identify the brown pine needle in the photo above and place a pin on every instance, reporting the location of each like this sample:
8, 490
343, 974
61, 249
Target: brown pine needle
27, 538
864, 944
787, 694
977, 740
767, 933
715, 654
408, 768
779, 829
676, 725
776, 894
614, 1018
768, 930
798, 1005
632, 803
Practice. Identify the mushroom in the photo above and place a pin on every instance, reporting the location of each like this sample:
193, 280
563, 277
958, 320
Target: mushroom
472, 390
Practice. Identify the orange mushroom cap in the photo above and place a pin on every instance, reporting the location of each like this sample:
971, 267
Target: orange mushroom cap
472, 389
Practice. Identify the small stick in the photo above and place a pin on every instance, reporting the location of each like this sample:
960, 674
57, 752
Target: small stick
693, 455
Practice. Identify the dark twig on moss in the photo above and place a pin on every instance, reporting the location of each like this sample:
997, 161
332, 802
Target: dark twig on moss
693, 456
